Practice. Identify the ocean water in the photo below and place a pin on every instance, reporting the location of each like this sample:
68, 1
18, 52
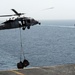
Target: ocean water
51, 43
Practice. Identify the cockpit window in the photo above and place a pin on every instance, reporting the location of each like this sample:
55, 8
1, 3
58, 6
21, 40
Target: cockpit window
32, 19
28, 21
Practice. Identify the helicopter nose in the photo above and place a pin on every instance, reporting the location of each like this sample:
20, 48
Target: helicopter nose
38, 22
35, 22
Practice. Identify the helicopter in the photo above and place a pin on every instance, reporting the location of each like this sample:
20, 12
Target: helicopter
19, 22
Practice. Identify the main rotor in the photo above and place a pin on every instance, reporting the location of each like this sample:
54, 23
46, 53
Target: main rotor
16, 14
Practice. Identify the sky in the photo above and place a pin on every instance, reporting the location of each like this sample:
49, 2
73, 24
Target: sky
63, 9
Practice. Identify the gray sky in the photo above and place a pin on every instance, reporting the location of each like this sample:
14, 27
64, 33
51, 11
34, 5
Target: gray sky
63, 9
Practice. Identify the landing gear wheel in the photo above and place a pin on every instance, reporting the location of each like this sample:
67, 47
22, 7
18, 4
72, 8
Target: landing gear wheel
28, 27
23, 28
20, 65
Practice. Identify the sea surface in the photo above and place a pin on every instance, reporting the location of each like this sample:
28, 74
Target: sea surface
51, 43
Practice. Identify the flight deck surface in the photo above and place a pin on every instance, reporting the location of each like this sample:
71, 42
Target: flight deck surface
68, 69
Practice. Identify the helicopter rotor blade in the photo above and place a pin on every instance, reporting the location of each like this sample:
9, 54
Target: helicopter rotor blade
7, 15
15, 11
18, 14
48, 8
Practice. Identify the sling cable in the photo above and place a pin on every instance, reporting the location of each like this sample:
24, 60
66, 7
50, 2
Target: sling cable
25, 62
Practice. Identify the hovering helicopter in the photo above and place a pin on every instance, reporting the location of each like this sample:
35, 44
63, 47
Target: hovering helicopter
19, 22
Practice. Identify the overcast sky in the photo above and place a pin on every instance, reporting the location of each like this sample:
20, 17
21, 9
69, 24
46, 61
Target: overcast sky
63, 9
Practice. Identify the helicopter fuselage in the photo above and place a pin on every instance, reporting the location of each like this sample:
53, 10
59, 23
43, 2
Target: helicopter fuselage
19, 22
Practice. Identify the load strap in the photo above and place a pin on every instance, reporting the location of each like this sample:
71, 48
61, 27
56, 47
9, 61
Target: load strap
21, 51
